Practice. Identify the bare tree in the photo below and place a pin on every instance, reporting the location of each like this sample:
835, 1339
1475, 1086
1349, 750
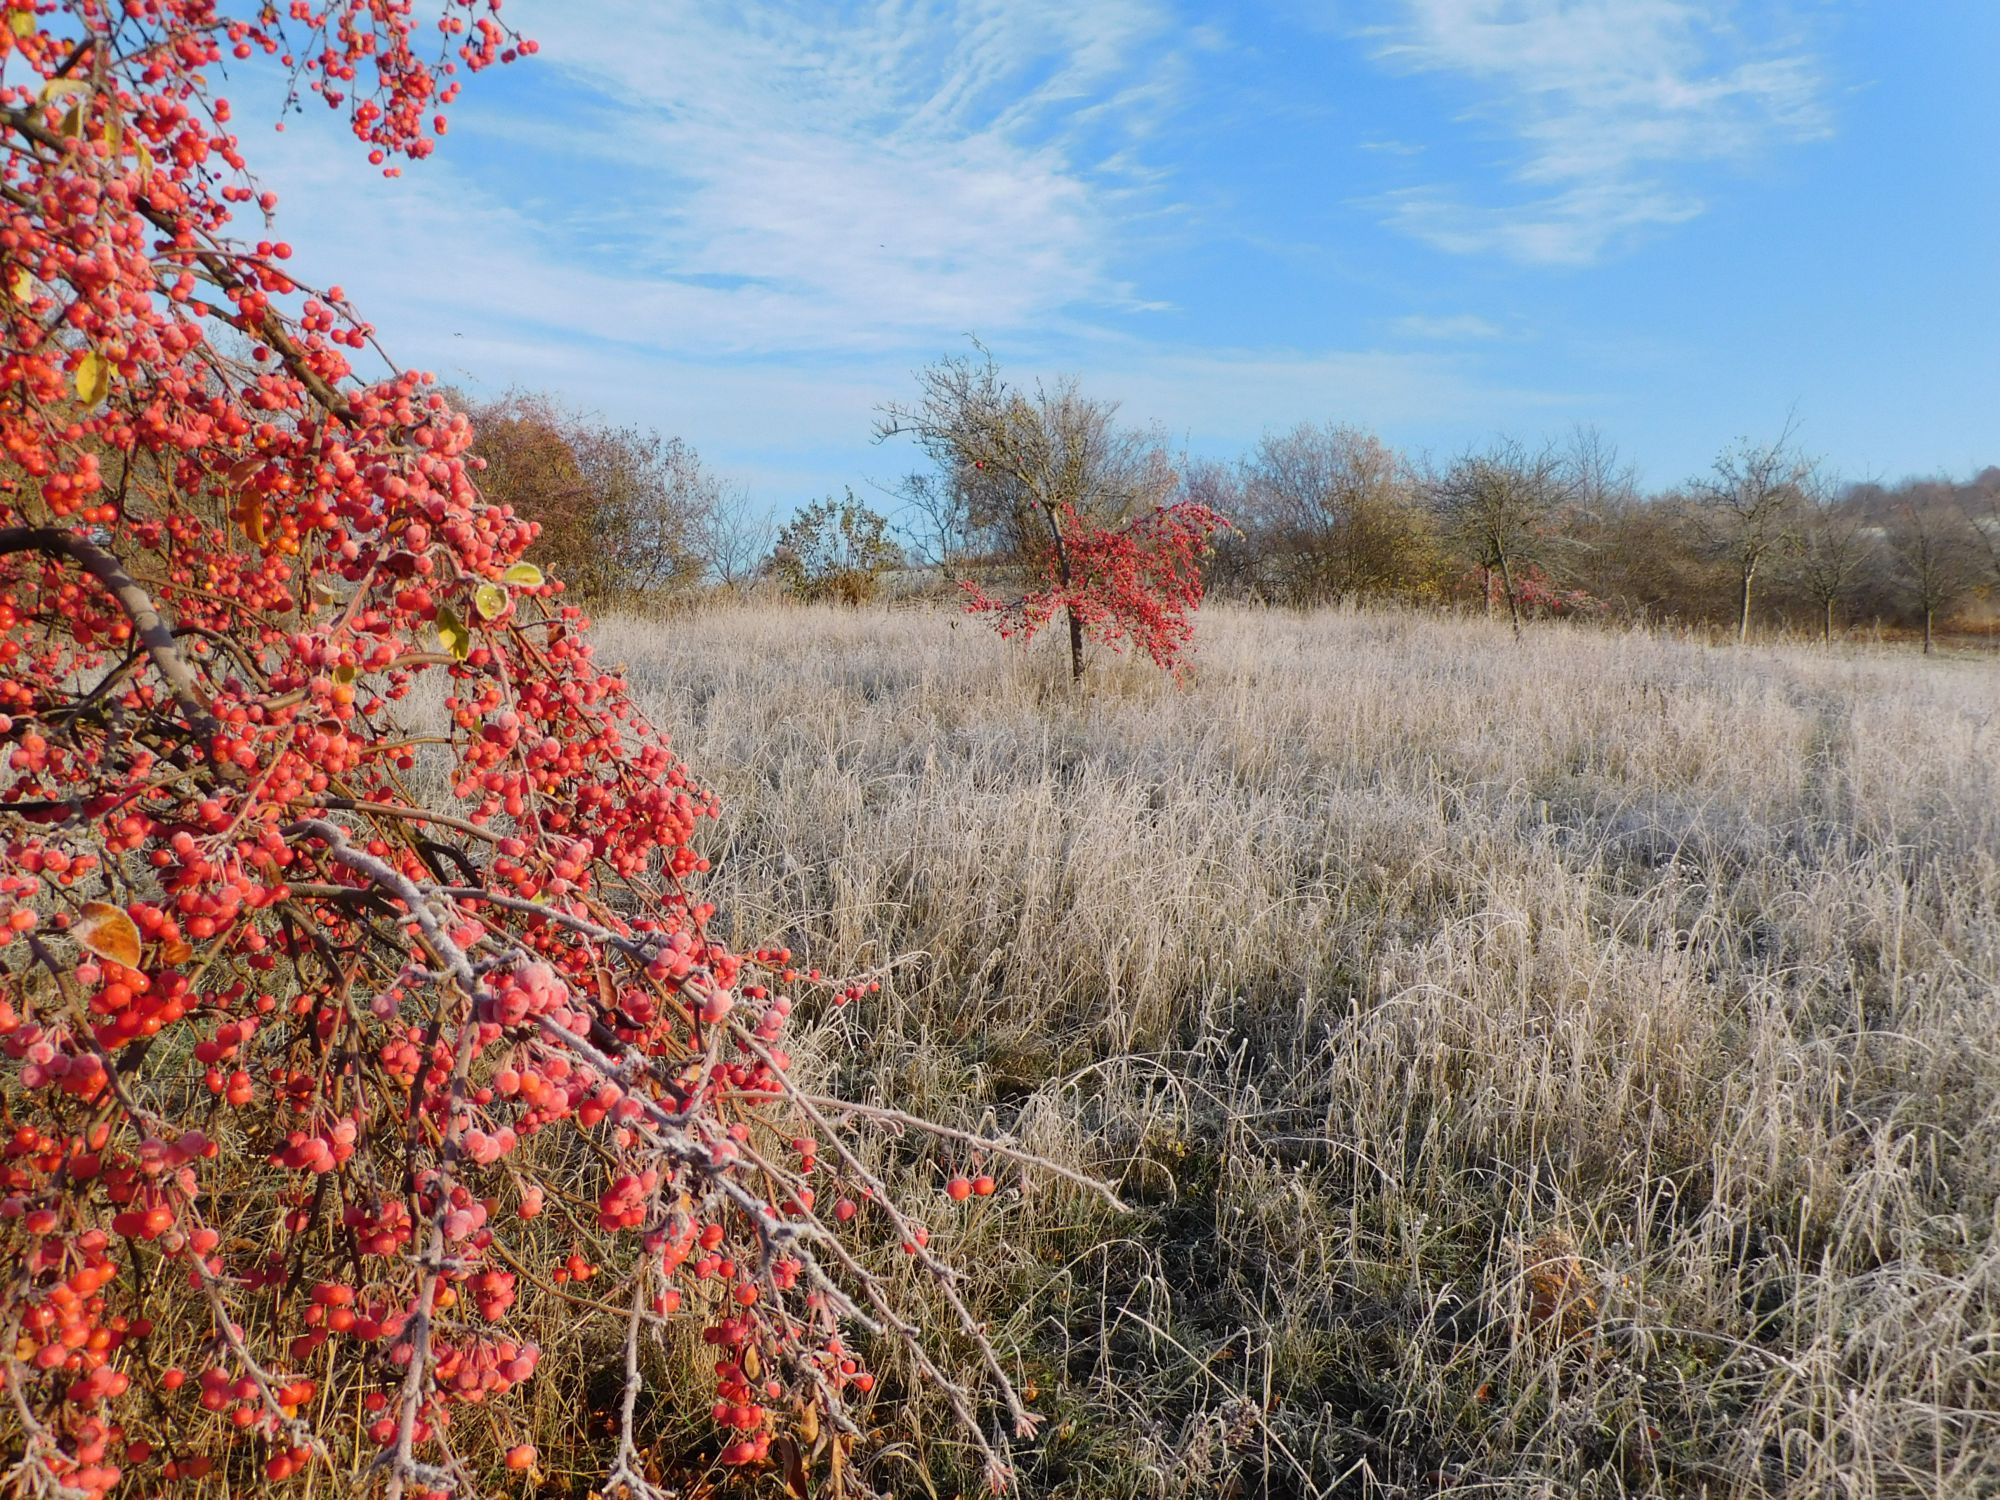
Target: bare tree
1023, 462
1749, 506
1834, 546
1498, 508
1335, 513
656, 494
733, 537
935, 522
1982, 511
1602, 480
1236, 563
1935, 552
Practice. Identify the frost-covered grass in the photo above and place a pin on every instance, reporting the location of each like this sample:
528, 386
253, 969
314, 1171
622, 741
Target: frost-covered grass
1565, 1068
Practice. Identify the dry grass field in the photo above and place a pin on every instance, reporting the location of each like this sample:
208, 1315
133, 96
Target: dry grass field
1559, 1069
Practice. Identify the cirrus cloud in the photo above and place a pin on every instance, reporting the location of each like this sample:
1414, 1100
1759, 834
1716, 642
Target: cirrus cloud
1608, 111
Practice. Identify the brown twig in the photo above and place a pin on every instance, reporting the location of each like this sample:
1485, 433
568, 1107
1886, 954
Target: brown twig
152, 627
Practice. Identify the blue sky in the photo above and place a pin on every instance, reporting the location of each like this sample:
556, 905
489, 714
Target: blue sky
748, 224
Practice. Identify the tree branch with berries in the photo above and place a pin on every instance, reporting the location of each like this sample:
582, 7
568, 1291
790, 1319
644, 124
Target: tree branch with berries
315, 1093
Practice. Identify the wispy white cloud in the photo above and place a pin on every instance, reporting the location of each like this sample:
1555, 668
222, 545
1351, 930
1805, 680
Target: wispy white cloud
803, 175
749, 223
1609, 106
1448, 327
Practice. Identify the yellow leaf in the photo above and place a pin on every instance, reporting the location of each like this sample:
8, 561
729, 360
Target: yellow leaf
343, 674
526, 575
93, 378
21, 23
145, 160
56, 88
490, 600
452, 633
106, 931
22, 286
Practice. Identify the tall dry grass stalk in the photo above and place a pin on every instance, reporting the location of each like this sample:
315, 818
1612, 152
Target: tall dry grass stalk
1561, 1069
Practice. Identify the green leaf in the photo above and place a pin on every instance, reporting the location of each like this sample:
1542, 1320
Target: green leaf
525, 574
490, 600
93, 378
452, 633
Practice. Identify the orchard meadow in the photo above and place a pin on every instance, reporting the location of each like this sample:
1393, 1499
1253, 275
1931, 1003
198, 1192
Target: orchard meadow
1159, 991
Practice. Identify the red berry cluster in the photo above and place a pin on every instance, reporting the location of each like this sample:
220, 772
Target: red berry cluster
1137, 583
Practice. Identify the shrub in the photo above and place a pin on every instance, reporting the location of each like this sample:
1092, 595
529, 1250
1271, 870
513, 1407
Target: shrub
835, 551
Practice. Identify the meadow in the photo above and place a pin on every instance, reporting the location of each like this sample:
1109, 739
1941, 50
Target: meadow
1564, 1068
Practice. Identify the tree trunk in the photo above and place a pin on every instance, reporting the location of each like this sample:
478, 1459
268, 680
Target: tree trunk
1486, 587
1513, 604
1929, 614
1826, 630
1064, 572
1743, 618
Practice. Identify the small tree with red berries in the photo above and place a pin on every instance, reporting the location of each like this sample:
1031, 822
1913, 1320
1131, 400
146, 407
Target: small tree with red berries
1071, 513
1499, 509
283, 1045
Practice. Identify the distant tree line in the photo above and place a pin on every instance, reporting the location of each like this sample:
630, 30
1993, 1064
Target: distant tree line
1321, 513
1766, 538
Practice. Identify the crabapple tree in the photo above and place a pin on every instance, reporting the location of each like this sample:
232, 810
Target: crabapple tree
283, 1044
1072, 514
1500, 509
